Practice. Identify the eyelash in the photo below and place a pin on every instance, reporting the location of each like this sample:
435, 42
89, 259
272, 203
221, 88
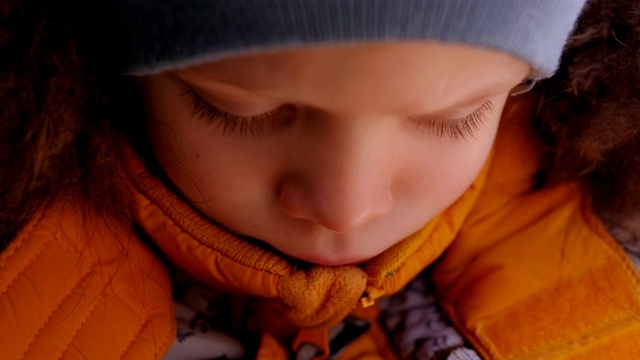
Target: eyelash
235, 124
454, 129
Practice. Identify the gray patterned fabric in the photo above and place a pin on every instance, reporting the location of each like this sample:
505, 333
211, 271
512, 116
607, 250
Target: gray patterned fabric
417, 327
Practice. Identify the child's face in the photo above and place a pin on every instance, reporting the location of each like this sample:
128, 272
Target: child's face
333, 154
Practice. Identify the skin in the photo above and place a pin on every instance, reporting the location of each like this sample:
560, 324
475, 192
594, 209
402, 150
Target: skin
343, 169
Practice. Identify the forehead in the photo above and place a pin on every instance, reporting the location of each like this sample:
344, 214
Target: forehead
394, 77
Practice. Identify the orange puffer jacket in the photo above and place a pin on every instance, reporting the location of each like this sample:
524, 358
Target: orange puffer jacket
522, 274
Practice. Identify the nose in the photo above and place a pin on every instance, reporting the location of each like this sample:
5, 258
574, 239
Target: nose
343, 181
343, 208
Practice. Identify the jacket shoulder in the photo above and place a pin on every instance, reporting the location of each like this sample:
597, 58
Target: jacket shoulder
533, 273
72, 285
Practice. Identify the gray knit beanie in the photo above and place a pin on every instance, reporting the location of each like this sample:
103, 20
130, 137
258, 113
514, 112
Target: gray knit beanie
158, 35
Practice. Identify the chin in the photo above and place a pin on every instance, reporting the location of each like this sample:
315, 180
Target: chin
334, 260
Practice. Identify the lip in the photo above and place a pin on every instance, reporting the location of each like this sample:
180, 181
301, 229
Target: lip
315, 259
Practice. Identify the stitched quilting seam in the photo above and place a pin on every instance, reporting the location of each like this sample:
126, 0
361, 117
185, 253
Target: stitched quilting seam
24, 237
71, 291
19, 274
134, 336
93, 307
168, 338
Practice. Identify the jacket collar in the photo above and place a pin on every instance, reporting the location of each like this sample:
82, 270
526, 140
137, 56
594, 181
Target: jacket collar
313, 295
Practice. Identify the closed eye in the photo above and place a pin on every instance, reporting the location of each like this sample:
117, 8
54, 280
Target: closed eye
461, 128
236, 124
451, 129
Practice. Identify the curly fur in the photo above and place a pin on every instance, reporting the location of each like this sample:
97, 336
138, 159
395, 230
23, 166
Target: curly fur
590, 113
57, 134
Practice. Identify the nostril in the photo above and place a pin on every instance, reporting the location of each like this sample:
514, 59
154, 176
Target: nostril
291, 204
351, 215
337, 211
294, 201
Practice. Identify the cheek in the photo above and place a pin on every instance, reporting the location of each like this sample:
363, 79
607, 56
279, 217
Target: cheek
202, 165
447, 169
204, 171
178, 148
219, 176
